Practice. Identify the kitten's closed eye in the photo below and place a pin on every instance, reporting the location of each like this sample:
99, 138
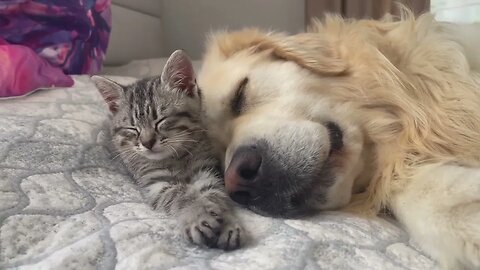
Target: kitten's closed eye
173, 120
128, 131
160, 122
132, 129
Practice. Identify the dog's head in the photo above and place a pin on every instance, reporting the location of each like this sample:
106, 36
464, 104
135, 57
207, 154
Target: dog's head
288, 145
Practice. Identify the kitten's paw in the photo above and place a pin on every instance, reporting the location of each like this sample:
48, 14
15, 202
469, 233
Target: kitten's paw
202, 225
231, 236
211, 226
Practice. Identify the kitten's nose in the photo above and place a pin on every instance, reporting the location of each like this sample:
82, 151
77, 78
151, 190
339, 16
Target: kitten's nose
149, 144
147, 140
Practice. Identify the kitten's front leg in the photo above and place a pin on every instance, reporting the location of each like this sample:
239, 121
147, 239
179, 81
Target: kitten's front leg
202, 209
210, 216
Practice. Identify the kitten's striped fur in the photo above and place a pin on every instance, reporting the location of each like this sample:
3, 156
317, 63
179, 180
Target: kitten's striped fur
158, 133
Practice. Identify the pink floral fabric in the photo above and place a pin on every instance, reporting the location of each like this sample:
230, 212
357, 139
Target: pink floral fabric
42, 40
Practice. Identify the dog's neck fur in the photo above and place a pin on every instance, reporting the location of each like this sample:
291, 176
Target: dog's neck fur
425, 120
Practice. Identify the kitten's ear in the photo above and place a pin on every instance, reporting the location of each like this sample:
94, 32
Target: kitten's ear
110, 91
178, 73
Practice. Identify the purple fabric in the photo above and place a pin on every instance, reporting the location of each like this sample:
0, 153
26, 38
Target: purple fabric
68, 35
22, 71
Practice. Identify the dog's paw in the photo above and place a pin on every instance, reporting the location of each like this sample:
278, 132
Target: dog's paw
462, 255
460, 248
467, 235
472, 254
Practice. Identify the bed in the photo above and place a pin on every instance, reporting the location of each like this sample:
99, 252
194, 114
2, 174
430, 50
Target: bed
66, 203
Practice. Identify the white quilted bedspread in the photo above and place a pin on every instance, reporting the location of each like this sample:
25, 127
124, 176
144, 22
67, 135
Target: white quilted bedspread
64, 204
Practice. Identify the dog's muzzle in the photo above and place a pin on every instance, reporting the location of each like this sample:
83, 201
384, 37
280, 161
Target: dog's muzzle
279, 180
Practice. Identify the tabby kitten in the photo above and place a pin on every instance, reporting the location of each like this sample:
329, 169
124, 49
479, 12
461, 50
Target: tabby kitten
157, 132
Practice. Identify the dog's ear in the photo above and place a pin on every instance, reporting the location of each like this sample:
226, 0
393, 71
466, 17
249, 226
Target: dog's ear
226, 44
309, 50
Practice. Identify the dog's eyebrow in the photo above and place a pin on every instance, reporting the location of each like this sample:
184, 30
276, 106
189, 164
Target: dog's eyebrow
238, 99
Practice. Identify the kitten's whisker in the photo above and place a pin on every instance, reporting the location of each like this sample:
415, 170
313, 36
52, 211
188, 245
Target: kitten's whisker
179, 140
174, 150
186, 150
184, 132
181, 136
122, 152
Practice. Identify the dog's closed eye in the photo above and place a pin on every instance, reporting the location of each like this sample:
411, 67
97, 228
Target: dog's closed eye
238, 100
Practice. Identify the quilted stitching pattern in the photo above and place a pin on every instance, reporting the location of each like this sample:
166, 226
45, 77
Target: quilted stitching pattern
64, 204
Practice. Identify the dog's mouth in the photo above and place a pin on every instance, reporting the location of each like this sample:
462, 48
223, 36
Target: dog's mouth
336, 137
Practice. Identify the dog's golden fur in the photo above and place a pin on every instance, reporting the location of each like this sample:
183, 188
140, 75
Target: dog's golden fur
412, 86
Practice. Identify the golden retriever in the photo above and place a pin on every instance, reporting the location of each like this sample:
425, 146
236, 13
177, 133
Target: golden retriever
357, 114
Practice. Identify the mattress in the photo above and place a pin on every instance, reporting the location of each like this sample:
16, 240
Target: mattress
66, 203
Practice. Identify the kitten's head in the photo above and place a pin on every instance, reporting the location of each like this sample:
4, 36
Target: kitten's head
157, 117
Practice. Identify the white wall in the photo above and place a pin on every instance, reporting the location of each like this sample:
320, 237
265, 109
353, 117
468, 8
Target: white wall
186, 22
459, 11
135, 35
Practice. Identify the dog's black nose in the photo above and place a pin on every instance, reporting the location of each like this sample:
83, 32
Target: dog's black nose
242, 175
